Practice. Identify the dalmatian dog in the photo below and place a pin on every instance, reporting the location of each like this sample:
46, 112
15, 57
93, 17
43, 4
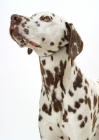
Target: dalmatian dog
69, 100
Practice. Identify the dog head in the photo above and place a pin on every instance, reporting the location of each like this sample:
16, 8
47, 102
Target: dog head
45, 33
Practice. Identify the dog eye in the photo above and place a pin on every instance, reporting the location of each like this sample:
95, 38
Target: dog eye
46, 18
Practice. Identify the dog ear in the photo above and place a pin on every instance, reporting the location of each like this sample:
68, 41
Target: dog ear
75, 42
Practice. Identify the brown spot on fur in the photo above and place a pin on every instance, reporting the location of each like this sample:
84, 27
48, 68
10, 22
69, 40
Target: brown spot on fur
78, 81
63, 126
62, 39
94, 120
76, 68
77, 104
80, 117
60, 43
61, 137
40, 118
58, 125
95, 100
86, 101
51, 57
70, 109
57, 106
86, 119
56, 69
43, 93
27, 19
52, 43
89, 103
53, 15
81, 100
34, 15
26, 31
86, 82
70, 93
43, 62
82, 124
74, 72
43, 39
46, 109
86, 89
65, 116
50, 78
95, 134
50, 128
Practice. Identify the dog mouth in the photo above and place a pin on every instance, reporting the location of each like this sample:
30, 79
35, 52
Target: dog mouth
20, 39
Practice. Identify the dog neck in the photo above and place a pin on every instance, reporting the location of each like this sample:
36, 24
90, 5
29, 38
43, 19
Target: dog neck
56, 69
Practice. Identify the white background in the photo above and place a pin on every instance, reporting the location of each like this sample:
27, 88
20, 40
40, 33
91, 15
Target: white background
20, 79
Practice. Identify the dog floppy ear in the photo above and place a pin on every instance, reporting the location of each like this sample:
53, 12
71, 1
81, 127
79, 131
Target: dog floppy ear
75, 42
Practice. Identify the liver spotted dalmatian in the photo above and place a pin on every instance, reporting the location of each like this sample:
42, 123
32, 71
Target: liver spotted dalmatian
69, 101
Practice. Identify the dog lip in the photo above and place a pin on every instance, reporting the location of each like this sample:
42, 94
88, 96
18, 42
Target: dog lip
34, 44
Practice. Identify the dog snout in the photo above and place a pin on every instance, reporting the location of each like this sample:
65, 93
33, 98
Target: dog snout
16, 18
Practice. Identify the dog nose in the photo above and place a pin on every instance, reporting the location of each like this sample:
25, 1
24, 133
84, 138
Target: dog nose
16, 18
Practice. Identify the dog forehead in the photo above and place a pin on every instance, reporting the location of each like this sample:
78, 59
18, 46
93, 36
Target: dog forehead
54, 16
